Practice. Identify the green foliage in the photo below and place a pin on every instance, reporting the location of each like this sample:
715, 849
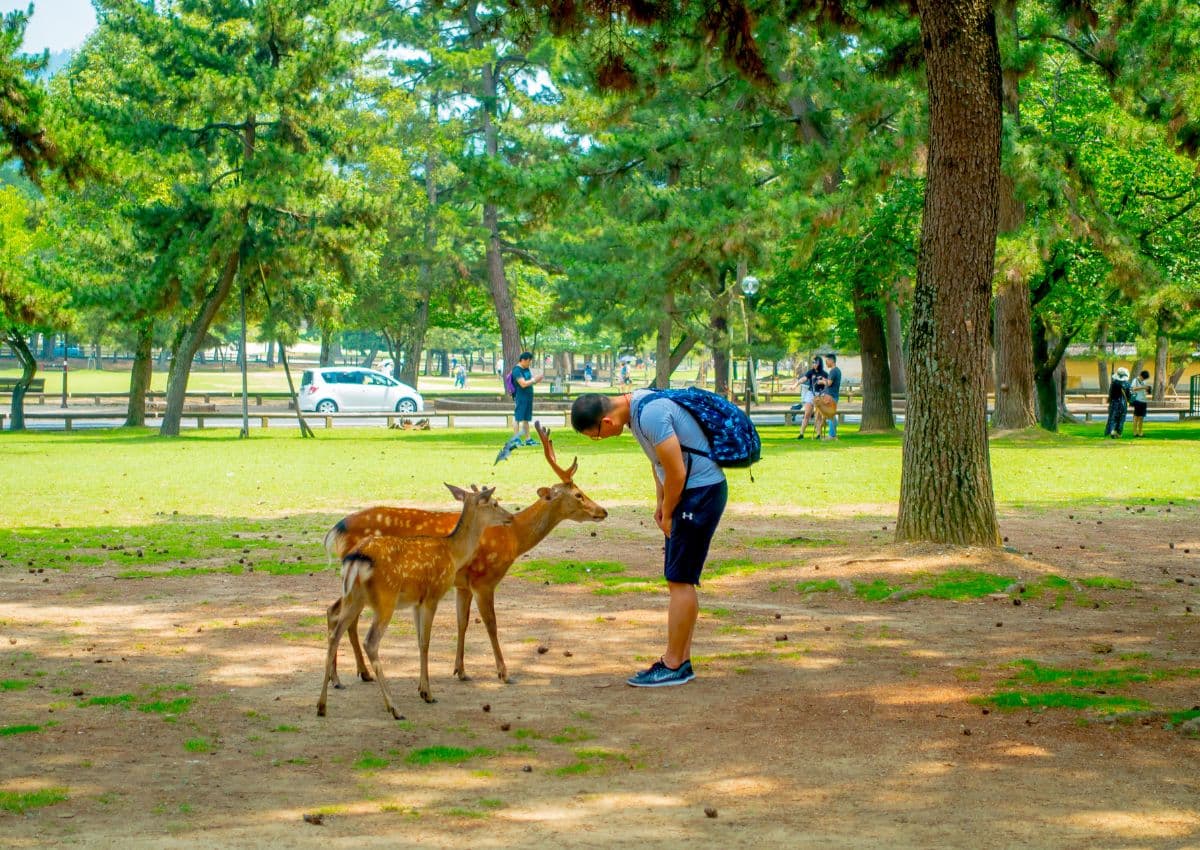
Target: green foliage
1014, 700
19, 729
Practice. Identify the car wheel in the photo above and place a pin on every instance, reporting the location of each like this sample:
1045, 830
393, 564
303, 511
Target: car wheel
327, 405
406, 405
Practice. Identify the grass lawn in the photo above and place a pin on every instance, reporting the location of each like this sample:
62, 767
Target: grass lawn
135, 477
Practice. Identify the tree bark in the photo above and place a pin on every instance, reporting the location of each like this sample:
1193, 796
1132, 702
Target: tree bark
662, 351
139, 376
1160, 367
946, 481
1014, 357
895, 343
876, 375
506, 316
718, 325
325, 358
28, 370
189, 342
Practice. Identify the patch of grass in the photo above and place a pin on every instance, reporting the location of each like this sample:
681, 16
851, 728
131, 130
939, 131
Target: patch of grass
1014, 700
174, 706
21, 802
124, 700
963, 584
874, 591
521, 748
572, 735
445, 755
817, 586
21, 729
283, 727
741, 567
1107, 583
590, 760
198, 745
370, 761
461, 812
1178, 717
182, 572
1099, 679
798, 540
606, 578
14, 685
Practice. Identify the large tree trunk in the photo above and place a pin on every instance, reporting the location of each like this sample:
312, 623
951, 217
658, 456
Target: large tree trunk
139, 376
1014, 357
1047, 356
1160, 367
28, 370
1014, 345
718, 337
1102, 378
876, 374
895, 344
946, 482
510, 336
662, 351
189, 342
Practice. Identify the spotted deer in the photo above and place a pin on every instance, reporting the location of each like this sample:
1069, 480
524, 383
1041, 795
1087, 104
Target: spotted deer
499, 548
384, 572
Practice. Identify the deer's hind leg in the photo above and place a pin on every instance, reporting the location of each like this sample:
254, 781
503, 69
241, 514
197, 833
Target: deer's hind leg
348, 610
485, 597
423, 615
383, 616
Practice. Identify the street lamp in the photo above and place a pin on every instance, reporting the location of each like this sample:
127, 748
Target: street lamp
749, 290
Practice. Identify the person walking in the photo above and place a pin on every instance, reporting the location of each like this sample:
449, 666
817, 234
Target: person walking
690, 495
1118, 404
523, 381
460, 377
833, 389
808, 389
1137, 394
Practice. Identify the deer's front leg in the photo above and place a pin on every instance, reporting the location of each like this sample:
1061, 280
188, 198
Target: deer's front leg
424, 615
463, 606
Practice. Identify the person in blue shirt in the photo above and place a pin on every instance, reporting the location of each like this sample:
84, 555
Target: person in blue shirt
523, 381
831, 386
691, 495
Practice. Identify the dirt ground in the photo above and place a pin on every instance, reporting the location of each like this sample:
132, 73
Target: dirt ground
816, 720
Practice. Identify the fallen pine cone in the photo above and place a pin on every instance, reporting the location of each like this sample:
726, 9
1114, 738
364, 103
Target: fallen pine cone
710, 812
314, 819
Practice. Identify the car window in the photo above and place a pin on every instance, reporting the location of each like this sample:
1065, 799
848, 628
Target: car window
332, 377
375, 380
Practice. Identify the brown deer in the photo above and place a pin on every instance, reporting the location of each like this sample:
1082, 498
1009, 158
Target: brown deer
497, 550
384, 572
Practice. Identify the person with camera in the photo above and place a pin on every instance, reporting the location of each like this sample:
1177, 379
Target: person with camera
808, 392
829, 388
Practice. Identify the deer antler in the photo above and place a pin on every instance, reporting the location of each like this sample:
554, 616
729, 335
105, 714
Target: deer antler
565, 475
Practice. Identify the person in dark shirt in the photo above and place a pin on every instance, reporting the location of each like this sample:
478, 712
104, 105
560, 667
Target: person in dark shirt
1118, 404
831, 386
523, 381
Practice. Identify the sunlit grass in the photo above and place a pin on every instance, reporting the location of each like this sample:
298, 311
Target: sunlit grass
21, 802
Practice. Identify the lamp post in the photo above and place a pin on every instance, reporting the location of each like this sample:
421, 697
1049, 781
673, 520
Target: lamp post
749, 290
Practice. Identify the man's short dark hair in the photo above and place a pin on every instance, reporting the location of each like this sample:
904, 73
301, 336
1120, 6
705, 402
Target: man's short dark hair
831, 356
525, 355
1144, 375
587, 411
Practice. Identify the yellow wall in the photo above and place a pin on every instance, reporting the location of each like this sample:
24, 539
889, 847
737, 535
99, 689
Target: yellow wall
1082, 372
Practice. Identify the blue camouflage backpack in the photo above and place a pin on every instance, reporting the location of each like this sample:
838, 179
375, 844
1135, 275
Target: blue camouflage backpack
732, 438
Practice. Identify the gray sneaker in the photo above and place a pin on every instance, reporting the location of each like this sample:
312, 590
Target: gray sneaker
661, 676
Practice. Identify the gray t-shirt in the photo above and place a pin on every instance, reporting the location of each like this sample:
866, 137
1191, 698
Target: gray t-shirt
659, 419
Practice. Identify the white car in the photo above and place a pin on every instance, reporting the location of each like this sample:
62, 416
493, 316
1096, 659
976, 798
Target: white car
348, 388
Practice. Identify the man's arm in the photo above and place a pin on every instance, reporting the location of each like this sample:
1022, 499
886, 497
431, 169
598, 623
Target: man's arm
670, 455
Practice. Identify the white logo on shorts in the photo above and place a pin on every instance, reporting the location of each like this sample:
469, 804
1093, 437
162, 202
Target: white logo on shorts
687, 516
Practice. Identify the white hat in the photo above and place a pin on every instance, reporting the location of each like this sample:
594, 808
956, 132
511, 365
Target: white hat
1122, 373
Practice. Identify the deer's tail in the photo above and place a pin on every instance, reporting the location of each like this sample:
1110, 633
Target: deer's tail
335, 540
356, 568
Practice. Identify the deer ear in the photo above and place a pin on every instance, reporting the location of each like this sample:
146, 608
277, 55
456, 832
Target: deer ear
544, 493
458, 492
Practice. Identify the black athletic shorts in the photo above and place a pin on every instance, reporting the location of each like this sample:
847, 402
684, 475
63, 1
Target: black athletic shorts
1139, 408
692, 527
